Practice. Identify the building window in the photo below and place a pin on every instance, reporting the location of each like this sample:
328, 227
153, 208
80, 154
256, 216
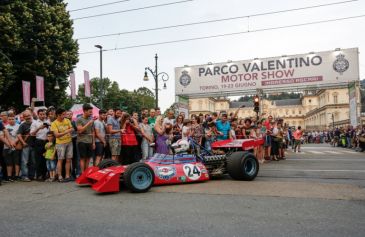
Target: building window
300, 112
286, 112
309, 101
200, 103
335, 99
293, 111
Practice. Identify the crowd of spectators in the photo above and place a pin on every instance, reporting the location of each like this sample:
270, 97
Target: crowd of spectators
346, 137
50, 145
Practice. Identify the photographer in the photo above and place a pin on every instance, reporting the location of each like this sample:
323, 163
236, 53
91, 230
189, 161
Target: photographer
39, 129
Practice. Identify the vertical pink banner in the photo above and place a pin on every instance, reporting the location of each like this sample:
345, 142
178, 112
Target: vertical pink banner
87, 83
73, 86
40, 88
26, 92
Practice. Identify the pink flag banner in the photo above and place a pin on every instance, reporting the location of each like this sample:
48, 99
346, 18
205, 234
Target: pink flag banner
26, 92
73, 86
40, 88
87, 83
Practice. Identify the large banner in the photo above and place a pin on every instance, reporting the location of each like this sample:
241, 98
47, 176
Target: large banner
294, 71
87, 84
353, 104
73, 86
40, 88
26, 92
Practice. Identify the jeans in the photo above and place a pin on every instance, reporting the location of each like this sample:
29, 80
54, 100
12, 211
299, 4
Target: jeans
28, 162
40, 161
75, 170
348, 142
51, 165
147, 150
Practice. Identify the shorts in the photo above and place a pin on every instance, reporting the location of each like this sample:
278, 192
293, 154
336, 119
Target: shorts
268, 140
11, 157
51, 165
64, 151
114, 144
296, 142
99, 149
85, 150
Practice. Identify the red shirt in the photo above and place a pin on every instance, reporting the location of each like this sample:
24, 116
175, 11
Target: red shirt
267, 124
129, 137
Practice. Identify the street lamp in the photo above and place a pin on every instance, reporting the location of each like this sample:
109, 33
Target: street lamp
155, 74
101, 75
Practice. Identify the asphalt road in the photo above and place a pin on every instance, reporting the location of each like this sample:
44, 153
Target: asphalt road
320, 192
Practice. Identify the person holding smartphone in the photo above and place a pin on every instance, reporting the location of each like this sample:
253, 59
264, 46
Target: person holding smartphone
39, 129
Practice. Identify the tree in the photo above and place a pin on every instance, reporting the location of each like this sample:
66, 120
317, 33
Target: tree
37, 38
130, 101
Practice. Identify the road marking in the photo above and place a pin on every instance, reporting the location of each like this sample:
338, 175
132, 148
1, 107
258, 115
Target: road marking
297, 170
316, 152
350, 152
333, 152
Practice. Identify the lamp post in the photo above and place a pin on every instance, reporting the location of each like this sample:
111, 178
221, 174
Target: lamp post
155, 74
101, 75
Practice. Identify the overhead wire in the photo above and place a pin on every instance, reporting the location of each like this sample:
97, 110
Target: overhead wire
133, 9
213, 21
100, 5
228, 34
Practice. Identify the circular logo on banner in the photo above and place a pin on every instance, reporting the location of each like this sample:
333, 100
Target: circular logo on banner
185, 78
341, 64
193, 172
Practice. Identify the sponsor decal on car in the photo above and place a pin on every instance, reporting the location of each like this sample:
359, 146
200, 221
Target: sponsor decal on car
165, 172
182, 178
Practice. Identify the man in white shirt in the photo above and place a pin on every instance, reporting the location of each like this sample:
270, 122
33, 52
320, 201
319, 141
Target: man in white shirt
170, 118
39, 129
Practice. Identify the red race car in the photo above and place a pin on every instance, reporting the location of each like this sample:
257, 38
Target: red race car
229, 156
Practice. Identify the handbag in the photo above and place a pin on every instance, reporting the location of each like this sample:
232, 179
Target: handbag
361, 138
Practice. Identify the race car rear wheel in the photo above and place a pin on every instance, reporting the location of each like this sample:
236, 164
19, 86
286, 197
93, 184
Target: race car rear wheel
242, 166
107, 163
139, 177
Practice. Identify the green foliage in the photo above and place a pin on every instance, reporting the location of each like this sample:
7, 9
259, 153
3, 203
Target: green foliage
131, 101
37, 38
281, 96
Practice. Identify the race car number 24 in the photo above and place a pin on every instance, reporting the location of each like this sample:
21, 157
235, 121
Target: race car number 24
192, 171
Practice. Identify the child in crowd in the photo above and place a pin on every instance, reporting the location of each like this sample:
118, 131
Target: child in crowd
50, 156
211, 133
186, 130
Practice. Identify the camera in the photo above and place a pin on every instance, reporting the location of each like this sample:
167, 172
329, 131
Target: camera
46, 125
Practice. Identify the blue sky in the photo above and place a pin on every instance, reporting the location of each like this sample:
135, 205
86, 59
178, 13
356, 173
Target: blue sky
127, 66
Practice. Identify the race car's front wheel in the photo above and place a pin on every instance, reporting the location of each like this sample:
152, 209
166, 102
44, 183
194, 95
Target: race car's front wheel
139, 177
107, 163
242, 166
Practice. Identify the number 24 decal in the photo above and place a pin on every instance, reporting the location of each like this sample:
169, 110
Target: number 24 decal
195, 171
192, 171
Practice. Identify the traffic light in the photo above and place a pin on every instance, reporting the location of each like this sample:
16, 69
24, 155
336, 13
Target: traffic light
256, 103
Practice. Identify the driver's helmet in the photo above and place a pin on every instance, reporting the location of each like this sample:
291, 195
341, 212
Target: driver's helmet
181, 145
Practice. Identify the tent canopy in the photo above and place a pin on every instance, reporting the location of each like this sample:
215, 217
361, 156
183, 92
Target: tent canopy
77, 110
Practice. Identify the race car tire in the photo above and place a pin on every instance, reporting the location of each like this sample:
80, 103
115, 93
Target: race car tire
107, 163
242, 166
139, 177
